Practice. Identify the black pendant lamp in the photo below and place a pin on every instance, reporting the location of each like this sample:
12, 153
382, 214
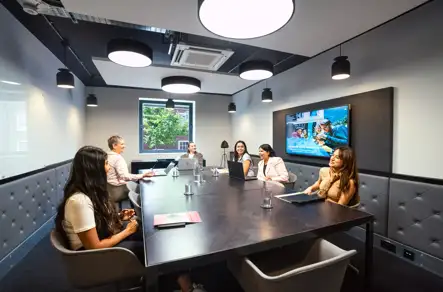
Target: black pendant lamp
64, 77
266, 95
91, 100
256, 70
170, 103
232, 108
130, 53
341, 68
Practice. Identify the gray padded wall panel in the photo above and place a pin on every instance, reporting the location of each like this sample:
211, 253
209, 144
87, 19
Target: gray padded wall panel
415, 215
374, 199
306, 175
25, 205
62, 175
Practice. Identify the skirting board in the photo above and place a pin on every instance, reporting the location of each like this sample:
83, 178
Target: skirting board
420, 259
18, 253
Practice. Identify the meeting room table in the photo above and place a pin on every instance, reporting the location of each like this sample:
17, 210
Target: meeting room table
233, 223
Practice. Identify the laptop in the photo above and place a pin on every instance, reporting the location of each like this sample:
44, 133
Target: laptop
165, 171
300, 197
186, 164
236, 171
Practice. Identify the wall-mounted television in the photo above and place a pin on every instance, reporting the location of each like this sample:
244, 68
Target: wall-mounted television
317, 132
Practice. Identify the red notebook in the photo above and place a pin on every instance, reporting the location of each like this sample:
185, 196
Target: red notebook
173, 218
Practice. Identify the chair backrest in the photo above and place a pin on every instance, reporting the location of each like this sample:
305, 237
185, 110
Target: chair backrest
133, 186
135, 200
97, 267
291, 181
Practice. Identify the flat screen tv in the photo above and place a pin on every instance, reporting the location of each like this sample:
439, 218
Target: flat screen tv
318, 132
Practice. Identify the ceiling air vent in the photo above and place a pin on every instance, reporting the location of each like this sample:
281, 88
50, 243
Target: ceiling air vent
199, 57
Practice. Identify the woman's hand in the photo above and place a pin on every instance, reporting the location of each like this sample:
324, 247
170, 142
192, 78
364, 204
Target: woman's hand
127, 214
132, 226
149, 174
308, 191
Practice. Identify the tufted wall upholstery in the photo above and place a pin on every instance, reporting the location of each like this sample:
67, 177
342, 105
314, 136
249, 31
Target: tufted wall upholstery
25, 205
374, 199
62, 175
306, 175
416, 215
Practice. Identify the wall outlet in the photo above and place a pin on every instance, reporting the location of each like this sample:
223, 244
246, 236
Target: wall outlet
388, 246
408, 254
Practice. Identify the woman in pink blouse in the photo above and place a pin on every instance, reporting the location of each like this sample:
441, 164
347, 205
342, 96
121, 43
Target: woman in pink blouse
118, 174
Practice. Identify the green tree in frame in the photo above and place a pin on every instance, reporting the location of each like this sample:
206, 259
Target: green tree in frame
161, 126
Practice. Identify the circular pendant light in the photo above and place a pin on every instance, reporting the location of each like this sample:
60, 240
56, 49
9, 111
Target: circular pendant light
232, 108
181, 84
266, 95
244, 19
256, 70
129, 53
170, 103
65, 79
341, 68
91, 100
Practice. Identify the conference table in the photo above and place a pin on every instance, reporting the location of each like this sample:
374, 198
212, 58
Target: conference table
233, 223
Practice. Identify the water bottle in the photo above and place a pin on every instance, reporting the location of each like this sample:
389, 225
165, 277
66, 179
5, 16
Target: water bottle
175, 172
197, 172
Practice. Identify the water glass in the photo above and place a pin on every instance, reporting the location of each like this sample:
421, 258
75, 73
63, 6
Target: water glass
188, 190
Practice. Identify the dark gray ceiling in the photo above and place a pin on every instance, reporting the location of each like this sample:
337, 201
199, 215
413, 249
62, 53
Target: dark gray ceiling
89, 39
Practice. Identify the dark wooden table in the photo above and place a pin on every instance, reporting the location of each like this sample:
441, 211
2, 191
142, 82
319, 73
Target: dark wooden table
233, 222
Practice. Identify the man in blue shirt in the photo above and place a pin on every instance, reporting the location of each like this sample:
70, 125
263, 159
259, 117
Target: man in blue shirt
333, 137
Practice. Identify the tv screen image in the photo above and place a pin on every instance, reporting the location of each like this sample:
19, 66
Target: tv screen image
317, 132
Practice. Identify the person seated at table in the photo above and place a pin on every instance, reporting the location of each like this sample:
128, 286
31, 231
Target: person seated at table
118, 174
338, 183
87, 218
241, 155
270, 167
192, 153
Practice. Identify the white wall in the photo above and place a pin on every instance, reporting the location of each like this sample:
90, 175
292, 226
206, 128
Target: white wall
406, 54
117, 113
40, 124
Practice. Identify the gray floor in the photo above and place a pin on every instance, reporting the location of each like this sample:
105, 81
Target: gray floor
42, 270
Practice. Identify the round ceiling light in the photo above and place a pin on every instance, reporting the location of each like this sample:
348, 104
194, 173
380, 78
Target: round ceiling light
181, 84
256, 70
341, 68
129, 53
91, 100
65, 79
244, 19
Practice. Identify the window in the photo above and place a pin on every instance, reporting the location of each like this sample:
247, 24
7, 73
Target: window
165, 130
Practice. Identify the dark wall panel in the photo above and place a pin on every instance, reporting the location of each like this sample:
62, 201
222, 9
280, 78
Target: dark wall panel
371, 129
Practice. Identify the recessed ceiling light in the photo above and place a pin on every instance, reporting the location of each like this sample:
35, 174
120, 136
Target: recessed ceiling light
65, 79
181, 84
256, 70
244, 19
129, 53
232, 108
91, 100
341, 68
10, 82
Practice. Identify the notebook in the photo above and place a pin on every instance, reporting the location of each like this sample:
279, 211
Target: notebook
176, 218
300, 198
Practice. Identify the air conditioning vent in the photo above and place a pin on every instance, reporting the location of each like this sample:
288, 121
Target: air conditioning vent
199, 58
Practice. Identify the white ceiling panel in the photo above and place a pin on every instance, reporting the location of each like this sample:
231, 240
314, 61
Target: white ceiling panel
150, 77
317, 25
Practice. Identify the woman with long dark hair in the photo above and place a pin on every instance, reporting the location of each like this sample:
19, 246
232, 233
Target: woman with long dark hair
87, 217
271, 167
339, 182
241, 155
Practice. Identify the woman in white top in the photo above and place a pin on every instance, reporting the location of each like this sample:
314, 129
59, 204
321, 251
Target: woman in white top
192, 153
241, 155
271, 168
87, 218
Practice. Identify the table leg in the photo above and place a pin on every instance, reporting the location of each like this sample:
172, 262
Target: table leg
369, 245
